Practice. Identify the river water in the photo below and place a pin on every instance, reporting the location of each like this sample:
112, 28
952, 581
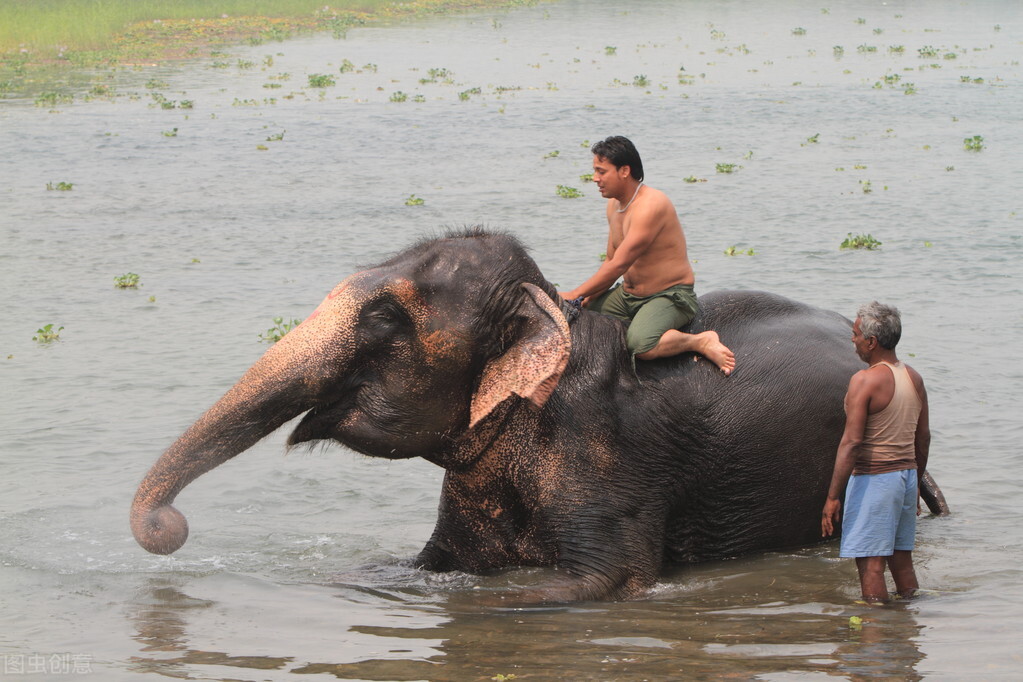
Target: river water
255, 201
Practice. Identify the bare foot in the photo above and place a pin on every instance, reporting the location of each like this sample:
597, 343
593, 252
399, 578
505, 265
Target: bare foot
709, 345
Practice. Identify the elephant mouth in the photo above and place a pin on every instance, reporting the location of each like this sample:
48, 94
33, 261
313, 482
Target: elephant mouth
364, 423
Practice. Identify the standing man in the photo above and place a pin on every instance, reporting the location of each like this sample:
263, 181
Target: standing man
647, 248
882, 456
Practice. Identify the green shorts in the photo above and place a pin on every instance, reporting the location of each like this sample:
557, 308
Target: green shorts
648, 317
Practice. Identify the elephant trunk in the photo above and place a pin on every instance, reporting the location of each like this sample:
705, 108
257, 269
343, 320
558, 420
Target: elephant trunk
288, 380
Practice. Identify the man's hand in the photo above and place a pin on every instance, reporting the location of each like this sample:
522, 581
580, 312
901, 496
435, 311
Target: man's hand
830, 516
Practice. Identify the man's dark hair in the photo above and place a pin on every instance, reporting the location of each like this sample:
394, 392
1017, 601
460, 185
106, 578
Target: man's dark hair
883, 322
621, 152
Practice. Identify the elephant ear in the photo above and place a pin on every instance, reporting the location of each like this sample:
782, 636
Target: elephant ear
532, 366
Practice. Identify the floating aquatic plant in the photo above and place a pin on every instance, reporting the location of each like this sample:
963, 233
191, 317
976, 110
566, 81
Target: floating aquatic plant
52, 99
47, 334
280, 328
173, 132
799, 31
129, 280
276, 137
321, 80
860, 241
973, 144
566, 192
640, 81
413, 200
610, 50
736, 251
726, 167
399, 96
59, 186
552, 155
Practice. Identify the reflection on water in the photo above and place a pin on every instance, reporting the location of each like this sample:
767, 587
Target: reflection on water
297, 564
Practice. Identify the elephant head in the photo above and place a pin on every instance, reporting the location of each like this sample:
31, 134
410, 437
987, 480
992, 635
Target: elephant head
416, 357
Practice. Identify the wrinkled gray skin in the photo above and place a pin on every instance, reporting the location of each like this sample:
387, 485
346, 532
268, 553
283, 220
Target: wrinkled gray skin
556, 452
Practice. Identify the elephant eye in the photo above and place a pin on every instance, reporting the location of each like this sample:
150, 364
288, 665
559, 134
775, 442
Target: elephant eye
384, 319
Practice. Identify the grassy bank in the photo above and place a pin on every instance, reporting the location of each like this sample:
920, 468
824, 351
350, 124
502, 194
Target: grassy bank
90, 32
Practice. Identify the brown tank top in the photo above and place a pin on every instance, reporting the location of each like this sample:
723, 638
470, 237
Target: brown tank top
890, 435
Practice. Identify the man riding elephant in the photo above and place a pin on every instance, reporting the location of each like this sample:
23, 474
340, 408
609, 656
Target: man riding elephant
647, 248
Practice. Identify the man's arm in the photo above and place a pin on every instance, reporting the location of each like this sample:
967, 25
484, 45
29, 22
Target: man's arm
857, 400
643, 229
922, 438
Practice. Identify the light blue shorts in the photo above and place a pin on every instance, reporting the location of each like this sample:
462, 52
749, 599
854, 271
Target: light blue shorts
880, 514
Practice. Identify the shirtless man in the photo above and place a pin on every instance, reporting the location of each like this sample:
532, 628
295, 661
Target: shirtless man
647, 248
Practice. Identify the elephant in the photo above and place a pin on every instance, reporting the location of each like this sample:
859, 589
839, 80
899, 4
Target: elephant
559, 449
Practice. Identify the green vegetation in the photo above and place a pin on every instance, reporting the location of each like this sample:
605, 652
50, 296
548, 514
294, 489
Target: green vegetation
860, 241
321, 80
640, 81
280, 328
413, 200
973, 144
692, 179
35, 33
799, 31
47, 334
52, 99
566, 192
736, 251
610, 50
129, 280
586, 177
726, 167
552, 155
60, 186
399, 96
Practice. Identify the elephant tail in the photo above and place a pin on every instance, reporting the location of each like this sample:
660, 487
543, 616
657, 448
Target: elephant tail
933, 497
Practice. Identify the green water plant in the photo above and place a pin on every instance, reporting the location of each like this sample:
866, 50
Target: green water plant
860, 241
973, 144
736, 251
129, 280
464, 95
59, 186
566, 192
173, 132
276, 137
321, 80
399, 96
413, 200
726, 167
610, 50
640, 81
47, 334
552, 154
280, 328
